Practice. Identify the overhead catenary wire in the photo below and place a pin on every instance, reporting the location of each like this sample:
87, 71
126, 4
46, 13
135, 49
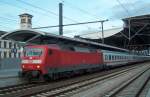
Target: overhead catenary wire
126, 10
48, 11
53, 13
4, 27
81, 10
19, 8
22, 8
70, 24
30, 9
9, 19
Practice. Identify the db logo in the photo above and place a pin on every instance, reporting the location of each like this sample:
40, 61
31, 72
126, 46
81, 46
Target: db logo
30, 57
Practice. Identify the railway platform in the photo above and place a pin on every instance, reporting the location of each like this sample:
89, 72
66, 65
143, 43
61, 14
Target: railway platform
9, 73
9, 77
148, 94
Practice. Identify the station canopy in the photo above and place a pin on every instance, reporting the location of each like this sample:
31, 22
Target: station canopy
30, 36
134, 36
2, 33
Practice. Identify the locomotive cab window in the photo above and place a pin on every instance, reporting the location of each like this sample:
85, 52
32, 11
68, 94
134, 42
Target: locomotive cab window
33, 52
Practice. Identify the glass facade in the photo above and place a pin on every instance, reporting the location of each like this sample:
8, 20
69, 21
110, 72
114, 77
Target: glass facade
7, 49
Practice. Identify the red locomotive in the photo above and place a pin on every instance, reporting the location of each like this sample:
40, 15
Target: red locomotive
54, 61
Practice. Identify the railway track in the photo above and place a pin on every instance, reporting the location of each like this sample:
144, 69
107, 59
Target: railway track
67, 90
75, 87
15, 88
59, 88
133, 87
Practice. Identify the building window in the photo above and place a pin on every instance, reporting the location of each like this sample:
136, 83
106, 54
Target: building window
0, 44
15, 45
0, 55
29, 21
19, 55
23, 20
5, 54
5, 44
10, 54
10, 45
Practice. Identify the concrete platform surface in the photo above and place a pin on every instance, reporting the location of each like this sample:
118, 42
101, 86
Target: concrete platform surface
9, 73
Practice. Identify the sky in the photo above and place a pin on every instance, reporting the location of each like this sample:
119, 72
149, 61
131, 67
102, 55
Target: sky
45, 13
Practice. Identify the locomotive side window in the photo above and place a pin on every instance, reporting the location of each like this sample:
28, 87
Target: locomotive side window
49, 52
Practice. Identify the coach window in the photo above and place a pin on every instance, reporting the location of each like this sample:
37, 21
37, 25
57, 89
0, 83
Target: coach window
112, 57
118, 57
109, 57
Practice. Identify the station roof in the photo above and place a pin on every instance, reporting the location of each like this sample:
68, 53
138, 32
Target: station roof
38, 37
137, 38
98, 34
2, 33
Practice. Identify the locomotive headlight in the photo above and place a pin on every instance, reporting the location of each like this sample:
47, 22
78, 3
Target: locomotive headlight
22, 66
38, 66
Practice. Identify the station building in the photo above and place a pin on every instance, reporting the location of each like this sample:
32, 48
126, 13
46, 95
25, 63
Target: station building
10, 48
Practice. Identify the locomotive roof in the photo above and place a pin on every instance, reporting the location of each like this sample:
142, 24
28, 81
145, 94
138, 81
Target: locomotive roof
39, 37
